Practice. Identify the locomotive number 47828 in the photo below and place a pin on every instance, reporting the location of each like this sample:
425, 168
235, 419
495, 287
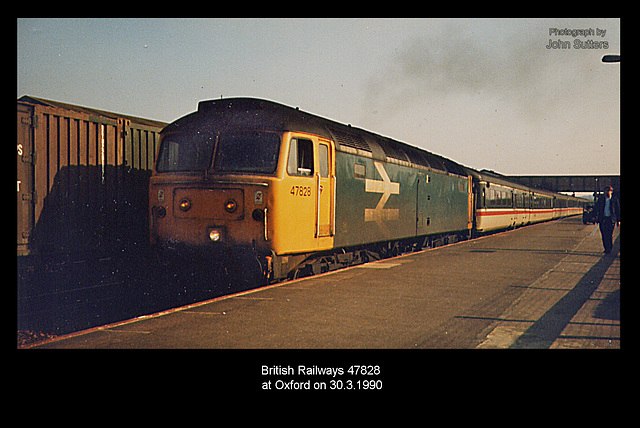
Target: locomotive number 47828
301, 190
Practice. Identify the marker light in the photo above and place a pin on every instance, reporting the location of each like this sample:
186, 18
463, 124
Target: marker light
215, 235
230, 206
185, 204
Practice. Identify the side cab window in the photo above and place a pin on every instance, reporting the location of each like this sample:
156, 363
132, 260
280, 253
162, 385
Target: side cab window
300, 162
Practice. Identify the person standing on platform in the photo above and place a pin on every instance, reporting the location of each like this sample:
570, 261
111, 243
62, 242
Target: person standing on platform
608, 215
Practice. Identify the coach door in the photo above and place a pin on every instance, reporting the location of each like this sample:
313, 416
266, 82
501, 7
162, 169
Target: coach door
325, 178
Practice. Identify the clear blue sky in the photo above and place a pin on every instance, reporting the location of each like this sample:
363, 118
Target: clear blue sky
485, 92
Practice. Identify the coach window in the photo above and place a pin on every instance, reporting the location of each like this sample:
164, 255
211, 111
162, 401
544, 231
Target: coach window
300, 157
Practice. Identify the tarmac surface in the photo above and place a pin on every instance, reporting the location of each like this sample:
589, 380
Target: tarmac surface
544, 286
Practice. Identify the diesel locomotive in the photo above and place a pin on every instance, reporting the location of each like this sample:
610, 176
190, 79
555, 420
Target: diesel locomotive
284, 192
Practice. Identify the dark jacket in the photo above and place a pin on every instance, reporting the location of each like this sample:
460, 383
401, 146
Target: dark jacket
614, 206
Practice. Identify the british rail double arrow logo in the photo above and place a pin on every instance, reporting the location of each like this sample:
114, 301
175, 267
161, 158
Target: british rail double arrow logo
387, 188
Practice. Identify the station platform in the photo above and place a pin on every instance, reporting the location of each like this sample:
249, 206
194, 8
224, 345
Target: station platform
542, 286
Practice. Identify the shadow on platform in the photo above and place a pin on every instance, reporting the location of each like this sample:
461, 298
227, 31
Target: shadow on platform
548, 328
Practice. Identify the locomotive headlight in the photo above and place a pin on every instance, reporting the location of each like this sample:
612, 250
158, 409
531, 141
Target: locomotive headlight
230, 206
215, 235
185, 204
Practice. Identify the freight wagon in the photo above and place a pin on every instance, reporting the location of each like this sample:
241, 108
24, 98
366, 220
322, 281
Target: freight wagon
82, 178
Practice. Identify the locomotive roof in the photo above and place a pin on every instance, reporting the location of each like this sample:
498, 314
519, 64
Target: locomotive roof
254, 113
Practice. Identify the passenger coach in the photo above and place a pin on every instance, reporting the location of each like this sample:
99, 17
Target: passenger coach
501, 204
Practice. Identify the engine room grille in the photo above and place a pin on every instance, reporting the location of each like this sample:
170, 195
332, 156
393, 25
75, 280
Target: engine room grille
350, 140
